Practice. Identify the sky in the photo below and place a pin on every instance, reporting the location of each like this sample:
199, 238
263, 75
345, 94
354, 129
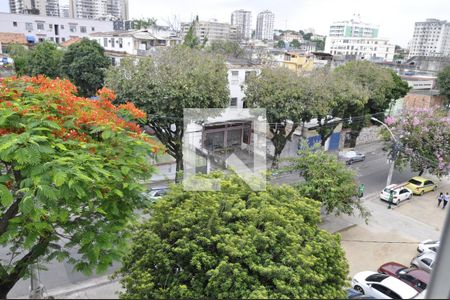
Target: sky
395, 17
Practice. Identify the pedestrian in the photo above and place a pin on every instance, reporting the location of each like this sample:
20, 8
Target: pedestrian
445, 200
440, 198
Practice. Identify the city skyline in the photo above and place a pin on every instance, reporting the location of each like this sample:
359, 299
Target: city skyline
396, 19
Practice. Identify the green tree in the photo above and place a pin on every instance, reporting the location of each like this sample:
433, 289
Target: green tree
45, 59
295, 43
178, 78
69, 176
328, 181
320, 44
144, 23
384, 87
21, 57
331, 96
282, 93
280, 44
191, 39
234, 244
227, 48
443, 82
307, 36
84, 63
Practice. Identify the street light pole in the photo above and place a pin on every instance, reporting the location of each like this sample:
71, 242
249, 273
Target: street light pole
391, 169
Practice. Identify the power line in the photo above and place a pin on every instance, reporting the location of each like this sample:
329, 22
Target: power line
378, 242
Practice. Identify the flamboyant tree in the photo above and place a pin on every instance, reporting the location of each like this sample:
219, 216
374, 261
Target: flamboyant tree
425, 140
234, 244
69, 175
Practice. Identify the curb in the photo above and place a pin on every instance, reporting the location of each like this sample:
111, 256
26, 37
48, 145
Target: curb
83, 286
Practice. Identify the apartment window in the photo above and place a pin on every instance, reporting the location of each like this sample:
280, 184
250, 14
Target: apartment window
63, 39
233, 102
50, 26
62, 26
52, 39
73, 28
105, 42
113, 43
83, 29
92, 28
40, 26
15, 24
29, 26
120, 42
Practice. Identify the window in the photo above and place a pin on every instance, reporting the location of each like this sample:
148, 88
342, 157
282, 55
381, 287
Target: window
234, 137
40, 26
63, 39
29, 26
120, 42
427, 261
92, 28
50, 26
113, 42
73, 28
15, 24
52, 39
105, 42
377, 277
62, 26
380, 288
83, 29
233, 102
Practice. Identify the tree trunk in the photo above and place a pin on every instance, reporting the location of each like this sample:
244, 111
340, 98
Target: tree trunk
179, 168
353, 137
421, 172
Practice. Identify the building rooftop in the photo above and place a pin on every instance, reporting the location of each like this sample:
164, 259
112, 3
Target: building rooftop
70, 42
12, 38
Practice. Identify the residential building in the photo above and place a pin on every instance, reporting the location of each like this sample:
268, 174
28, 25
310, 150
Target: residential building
430, 38
296, 61
99, 9
264, 26
34, 7
7, 39
119, 44
211, 30
238, 72
374, 49
242, 19
38, 28
289, 36
420, 82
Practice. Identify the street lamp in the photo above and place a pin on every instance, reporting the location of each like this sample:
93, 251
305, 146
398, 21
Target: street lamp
391, 169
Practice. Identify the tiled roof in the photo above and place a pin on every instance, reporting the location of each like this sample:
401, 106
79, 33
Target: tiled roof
11, 38
70, 42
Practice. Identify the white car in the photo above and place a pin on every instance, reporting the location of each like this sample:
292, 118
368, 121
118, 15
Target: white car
351, 156
155, 193
428, 245
401, 193
424, 261
382, 286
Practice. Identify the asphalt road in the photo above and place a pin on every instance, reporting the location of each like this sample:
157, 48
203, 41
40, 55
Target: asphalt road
372, 172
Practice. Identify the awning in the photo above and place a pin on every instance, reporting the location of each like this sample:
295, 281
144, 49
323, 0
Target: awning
31, 39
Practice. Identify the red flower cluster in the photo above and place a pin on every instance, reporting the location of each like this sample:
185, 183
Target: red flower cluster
57, 103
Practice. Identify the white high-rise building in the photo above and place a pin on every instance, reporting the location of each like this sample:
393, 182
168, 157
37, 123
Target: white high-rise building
359, 40
264, 25
242, 19
99, 9
210, 31
34, 7
430, 38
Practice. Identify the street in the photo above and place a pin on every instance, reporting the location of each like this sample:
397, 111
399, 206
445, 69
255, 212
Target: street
372, 172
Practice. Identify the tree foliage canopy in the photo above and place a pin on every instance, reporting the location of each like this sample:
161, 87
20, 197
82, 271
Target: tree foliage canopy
165, 85
425, 139
327, 180
443, 83
84, 64
226, 48
45, 59
69, 175
21, 57
235, 244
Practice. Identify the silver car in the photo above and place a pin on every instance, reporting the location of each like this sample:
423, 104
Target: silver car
424, 261
352, 156
428, 245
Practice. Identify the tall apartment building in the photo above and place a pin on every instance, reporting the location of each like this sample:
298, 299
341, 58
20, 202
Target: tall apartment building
211, 30
430, 38
34, 7
99, 9
242, 19
264, 25
358, 40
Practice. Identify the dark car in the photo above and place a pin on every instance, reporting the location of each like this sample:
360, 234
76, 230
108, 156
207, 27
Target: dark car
354, 294
416, 278
351, 156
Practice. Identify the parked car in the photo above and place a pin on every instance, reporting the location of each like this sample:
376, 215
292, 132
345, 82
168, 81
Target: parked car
401, 193
354, 294
155, 193
428, 245
424, 261
416, 278
382, 286
420, 185
351, 156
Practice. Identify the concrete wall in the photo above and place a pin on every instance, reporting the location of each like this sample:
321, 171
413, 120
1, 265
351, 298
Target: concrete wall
369, 135
419, 101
